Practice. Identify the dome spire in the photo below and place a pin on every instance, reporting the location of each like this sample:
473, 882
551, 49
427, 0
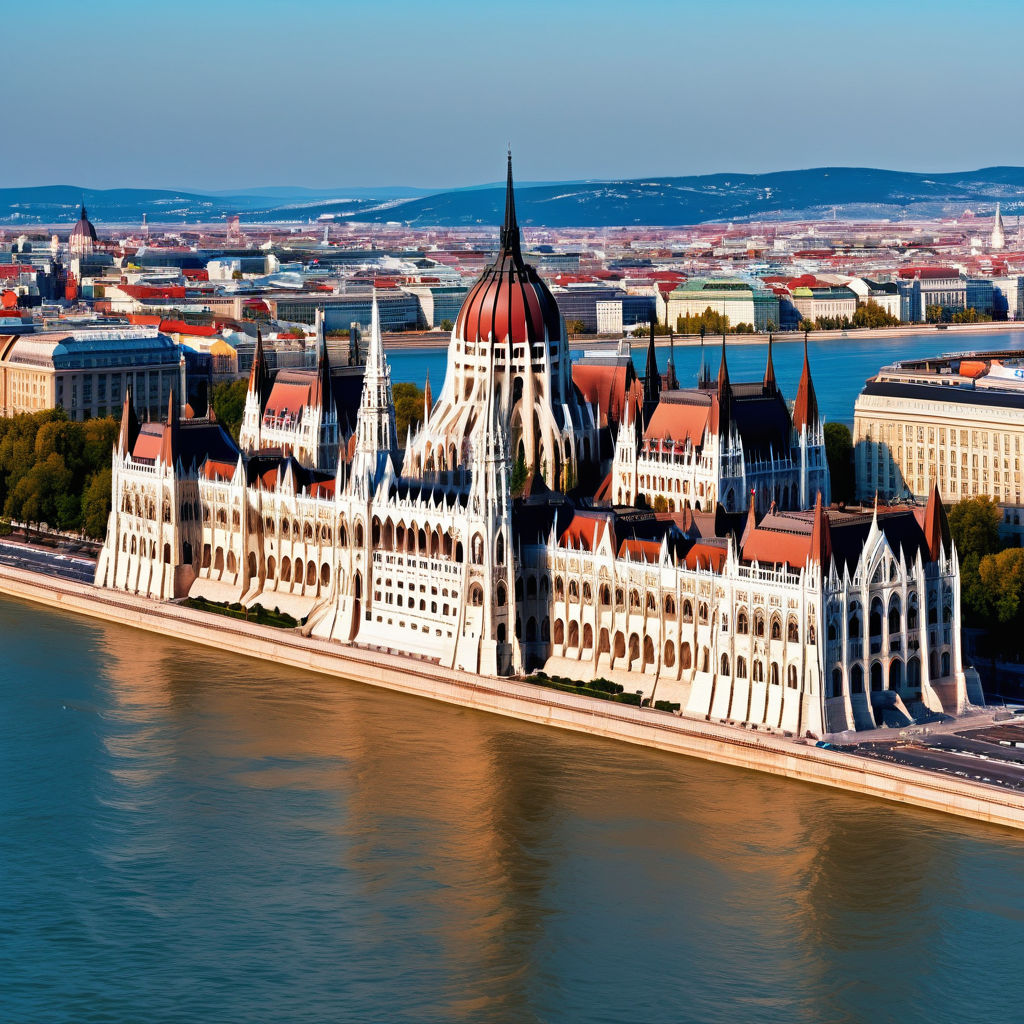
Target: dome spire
510, 228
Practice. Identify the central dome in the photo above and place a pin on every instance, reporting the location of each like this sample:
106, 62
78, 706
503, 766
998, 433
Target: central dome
509, 301
508, 352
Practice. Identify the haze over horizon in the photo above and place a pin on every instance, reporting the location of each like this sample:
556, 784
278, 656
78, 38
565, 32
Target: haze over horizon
331, 95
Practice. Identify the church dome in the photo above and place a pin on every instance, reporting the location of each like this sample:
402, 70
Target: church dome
83, 229
509, 300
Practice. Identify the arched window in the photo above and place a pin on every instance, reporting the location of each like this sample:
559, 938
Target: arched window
876, 676
670, 654
776, 628
702, 612
588, 637
742, 625
774, 675
559, 637
792, 630
687, 611
670, 606
286, 570
896, 675
476, 595
606, 595
758, 673
945, 663
574, 634
791, 677
837, 682
648, 651
685, 656
856, 679
559, 588
875, 618
725, 664
634, 647
502, 595
854, 627
620, 646
758, 623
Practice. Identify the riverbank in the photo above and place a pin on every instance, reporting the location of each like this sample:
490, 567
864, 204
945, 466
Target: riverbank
644, 727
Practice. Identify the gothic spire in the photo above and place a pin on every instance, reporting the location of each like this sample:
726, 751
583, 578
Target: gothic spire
652, 379
510, 239
259, 375
129, 424
805, 409
770, 383
821, 535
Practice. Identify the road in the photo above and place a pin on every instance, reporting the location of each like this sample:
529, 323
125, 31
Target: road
47, 560
990, 767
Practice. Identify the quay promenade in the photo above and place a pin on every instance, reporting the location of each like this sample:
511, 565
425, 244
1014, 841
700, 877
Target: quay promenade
743, 748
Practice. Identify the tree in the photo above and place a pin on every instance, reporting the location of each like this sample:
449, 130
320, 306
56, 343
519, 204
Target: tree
974, 526
839, 455
96, 505
575, 326
870, 314
711, 322
228, 401
447, 325
408, 399
517, 478
806, 325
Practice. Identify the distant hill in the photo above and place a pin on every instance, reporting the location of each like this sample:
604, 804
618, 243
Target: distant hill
851, 192
808, 194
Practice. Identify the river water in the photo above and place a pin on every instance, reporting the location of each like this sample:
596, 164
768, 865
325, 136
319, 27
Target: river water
192, 836
839, 366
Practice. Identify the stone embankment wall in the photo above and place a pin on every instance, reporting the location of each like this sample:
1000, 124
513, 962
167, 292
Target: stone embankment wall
530, 703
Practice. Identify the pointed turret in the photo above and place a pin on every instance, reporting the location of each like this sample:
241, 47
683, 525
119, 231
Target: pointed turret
771, 385
129, 425
936, 525
259, 375
428, 400
751, 523
821, 535
704, 373
652, 379
322, 388
510, 239
168, 444
805, 409
671, 380
720, 422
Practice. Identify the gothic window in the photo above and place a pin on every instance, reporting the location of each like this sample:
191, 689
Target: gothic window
776, 628
792, 630
742, 625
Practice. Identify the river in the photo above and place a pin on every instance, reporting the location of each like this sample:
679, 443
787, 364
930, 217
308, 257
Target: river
839, 366
191, 836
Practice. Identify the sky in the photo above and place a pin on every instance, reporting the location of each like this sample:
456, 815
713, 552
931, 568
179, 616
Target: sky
231, 94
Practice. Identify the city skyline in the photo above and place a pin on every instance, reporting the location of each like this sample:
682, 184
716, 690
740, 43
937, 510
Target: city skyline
420, 96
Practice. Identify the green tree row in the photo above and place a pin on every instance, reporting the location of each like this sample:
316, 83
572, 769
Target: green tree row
991, 575
57, 472
949, 315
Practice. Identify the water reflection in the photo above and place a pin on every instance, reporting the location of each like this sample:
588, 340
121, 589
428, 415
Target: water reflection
256, 843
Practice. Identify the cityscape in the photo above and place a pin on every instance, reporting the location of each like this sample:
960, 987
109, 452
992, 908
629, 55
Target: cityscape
546, 596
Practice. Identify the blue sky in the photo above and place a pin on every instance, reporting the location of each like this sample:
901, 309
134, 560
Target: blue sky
241, 93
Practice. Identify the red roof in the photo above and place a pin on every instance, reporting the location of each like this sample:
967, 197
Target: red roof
214, 470
677, 421
926, 273
584, 531
180, 327
287, 399
641, 550
142, 291
606, 385
10, 270
705, 556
